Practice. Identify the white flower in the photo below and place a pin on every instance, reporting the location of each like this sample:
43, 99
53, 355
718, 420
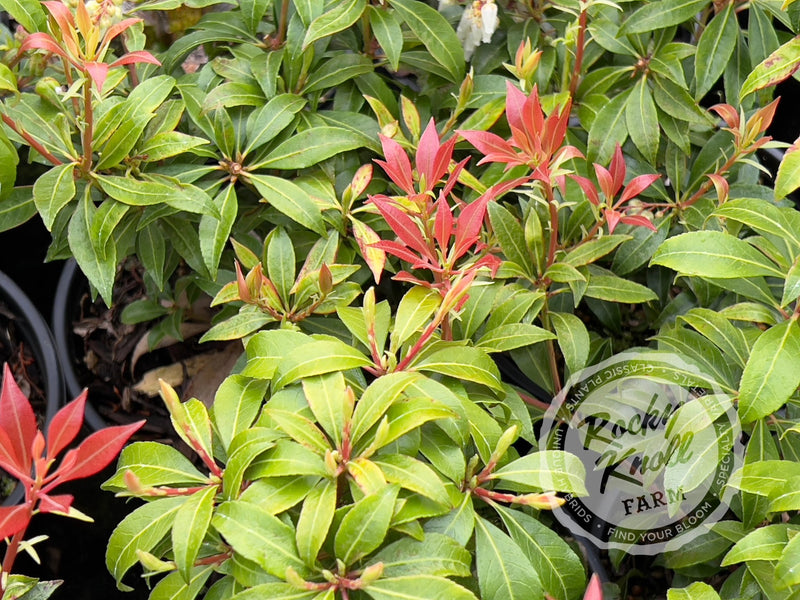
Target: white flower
478, 22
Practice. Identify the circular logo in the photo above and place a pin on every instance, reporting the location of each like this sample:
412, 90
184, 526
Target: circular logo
659, 440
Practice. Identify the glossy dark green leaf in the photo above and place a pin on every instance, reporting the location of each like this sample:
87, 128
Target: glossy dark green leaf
387, 31
504, 572
641, 118
290, 199
311, 147
259, 536
435, 33
335, 19
365, 525
53, 191
769, 378
189, 528
714, 50
662, 14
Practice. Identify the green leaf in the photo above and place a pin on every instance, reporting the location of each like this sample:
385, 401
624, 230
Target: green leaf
334, 20
168, 144
122, 140
28, 13
433, 30
376, 400
154, 465
17, 208
151, 250
573, 339
760, 447
608, 129
714, 50
662, 14
769, 378
780, 225
510, 235
288, 458
512, 335
140, 530
365, 525
191, 523
559, 568
593, 250
775, 68
249, 319
98, 264
407, 415
300, 428
214, 232
546, 470
437, 555
411, 474
53, 191
387, 31
617, 289
253, 11
315, 520
244, 449
504, 572
327, 396
237, 403
266, 122
277, 494
696, 591
173, 586
713, 254
787, 571
281, 262
277, 591
317, 358
791, 287
259, 536
641, 118
417, 587
310, 147
136, 192
337, 70
291, 200
676, 101
764, 543
415, 309
720, 331
470, 364
788, 179
267, 348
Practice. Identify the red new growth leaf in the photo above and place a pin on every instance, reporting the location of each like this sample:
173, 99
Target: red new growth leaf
42, 41
94, 453
60, 503
140, 56
98, 71
10, 461
16, 418
65, 426
433, 157
636, 186
728, 114
13, 519
403, 226
443, 224
493, 147
468, 226
397, 166
595, 589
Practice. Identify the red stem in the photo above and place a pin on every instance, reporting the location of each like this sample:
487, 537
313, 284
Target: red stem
581, 42
31, 142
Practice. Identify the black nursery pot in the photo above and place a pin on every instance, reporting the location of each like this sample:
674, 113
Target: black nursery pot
35, 334
67, 298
